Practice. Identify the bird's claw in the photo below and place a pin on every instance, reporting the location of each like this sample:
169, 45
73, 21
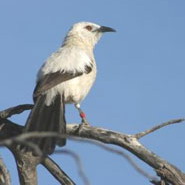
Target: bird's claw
85, 122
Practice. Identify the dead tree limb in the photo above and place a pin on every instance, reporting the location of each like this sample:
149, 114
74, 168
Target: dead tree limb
15, 110
4, 174
146, 132
26, 165
166, 171
77, 159
26, 161
56, 171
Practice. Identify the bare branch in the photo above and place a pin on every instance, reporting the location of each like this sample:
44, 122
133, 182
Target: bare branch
9, 129
15, 110
4, 174
161, 182
144, 133
164, 169
56, 171
27, 172
26, 165
124, 155
168, 173
78, 161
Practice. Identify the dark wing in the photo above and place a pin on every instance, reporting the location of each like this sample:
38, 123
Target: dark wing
53, 79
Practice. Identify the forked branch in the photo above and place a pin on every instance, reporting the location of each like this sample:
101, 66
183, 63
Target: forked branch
166, 171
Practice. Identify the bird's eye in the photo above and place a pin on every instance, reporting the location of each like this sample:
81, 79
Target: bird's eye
89, 28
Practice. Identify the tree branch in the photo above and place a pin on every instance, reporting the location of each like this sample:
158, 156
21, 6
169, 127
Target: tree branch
4, 174
26, 161
164, 169
122, 154
15, 110
81, 171
56, 171
168, 173
26, 165
144, 133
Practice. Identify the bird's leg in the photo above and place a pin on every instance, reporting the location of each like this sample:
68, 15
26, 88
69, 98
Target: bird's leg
82, 115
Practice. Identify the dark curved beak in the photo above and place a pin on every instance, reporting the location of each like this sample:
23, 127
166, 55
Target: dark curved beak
106, 29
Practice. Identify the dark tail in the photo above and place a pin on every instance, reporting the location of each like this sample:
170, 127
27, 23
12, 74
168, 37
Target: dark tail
45, 118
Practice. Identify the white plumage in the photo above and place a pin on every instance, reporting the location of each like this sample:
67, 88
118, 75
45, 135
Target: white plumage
65, 77
75, 55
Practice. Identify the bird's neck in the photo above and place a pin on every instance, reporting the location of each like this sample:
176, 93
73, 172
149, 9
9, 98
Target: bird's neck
76, 41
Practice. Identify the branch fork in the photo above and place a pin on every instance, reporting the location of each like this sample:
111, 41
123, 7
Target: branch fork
11, 136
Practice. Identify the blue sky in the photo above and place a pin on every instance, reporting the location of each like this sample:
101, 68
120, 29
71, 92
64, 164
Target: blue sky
140, 80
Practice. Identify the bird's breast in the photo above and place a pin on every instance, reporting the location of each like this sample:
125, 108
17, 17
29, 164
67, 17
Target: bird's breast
76, 89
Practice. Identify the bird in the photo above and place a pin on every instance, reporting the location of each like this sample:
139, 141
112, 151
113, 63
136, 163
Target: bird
66, 77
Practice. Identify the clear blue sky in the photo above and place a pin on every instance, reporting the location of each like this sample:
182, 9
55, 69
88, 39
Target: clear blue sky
140, 82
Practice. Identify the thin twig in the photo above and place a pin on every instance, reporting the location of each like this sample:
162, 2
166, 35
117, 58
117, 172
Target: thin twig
124, 155
144, 133
78, 161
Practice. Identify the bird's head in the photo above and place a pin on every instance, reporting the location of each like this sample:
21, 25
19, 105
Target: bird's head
87, 32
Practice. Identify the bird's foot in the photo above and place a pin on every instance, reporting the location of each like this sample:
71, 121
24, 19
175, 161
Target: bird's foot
85, 122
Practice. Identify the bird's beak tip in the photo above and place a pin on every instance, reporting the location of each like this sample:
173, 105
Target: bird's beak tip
106, 29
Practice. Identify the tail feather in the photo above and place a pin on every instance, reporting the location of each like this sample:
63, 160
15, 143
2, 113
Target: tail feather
47, 118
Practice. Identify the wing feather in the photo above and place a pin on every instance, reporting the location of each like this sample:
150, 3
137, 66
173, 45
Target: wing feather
52, 79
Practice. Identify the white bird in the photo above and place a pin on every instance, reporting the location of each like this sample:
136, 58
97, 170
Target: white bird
65, 77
